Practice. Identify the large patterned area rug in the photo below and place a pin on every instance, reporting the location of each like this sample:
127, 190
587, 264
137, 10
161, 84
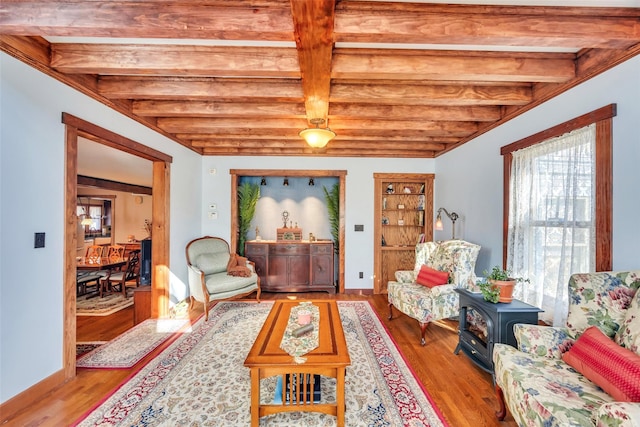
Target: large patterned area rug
96, 306
129, 348
200, 378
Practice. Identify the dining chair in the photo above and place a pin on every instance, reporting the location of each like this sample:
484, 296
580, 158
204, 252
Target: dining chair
119, 281
94, 252
115, 252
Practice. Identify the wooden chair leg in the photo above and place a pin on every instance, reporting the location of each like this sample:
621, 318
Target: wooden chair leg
502, 411
206, 308
423, 330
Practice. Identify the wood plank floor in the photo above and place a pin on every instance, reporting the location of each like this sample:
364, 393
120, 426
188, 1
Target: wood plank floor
463, 392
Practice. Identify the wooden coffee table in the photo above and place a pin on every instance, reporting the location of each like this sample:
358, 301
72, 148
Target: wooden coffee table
330, 359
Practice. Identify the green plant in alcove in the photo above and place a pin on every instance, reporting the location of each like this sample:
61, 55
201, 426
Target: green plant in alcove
333, 207
248, 195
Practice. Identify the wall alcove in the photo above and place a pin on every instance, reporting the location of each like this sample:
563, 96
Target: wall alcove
275, 178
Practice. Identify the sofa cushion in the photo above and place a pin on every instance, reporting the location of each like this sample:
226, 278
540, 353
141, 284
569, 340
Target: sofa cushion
541, 391
603, 296
430, 277
628, 335
211, 263
613, 368
421, 303
222, 283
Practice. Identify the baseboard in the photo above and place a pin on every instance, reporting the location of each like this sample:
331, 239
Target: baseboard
29, 396
358, 291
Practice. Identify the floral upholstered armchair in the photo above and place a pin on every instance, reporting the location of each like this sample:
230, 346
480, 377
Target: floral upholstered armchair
584, 374
427, 304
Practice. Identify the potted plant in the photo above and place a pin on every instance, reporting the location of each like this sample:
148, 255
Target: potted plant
248, 195
498, 285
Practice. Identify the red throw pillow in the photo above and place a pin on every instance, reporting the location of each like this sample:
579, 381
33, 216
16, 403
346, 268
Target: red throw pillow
613, 368
429, 277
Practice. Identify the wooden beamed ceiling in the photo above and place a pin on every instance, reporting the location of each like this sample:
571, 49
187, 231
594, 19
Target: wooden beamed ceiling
392, 79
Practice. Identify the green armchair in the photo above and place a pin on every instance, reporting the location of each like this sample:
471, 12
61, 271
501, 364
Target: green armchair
207, 260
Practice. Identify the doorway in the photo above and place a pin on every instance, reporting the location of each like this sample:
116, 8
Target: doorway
76, 128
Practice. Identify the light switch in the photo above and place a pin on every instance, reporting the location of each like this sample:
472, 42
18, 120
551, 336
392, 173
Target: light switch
213, 215
38, 241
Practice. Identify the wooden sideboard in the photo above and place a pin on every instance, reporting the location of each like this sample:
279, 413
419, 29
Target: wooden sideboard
299, 266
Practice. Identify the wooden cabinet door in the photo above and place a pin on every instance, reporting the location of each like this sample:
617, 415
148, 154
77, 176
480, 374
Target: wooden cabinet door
278, 271
322, 266
299, 271
257, 252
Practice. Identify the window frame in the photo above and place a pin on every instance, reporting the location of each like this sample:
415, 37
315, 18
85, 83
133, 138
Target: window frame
602, 117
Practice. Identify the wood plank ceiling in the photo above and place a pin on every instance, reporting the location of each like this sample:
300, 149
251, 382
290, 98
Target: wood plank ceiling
392, 79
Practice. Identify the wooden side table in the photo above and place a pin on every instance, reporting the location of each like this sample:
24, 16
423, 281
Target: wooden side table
141, 304
499, 319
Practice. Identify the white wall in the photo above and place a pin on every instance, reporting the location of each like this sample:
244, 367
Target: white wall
469, 178
32, 196
359, 199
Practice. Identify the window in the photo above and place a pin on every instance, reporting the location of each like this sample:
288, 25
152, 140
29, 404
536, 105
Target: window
95, 214
558, 209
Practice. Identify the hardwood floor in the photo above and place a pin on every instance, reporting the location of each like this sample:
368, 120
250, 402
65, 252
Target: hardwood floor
463, 393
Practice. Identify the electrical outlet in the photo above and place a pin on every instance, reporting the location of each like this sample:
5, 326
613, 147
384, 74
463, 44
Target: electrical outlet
361, 275
212, 171
213, 215
213, 206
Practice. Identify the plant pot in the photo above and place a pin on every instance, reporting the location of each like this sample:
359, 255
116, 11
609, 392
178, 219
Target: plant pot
506, 289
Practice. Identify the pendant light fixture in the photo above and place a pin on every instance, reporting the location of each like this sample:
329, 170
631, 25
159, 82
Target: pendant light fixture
317, 137
87, 218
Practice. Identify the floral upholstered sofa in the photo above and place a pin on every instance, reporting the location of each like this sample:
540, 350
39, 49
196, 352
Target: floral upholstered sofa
584, 374
426, 304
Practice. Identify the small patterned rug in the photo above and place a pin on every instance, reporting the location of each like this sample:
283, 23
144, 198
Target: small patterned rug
129, 348
200, 379
104, 306
86, 347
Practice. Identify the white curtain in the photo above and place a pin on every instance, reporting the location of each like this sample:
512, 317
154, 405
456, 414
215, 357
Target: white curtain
551, 219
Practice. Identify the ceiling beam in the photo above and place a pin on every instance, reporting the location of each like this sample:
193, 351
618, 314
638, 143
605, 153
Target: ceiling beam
174, 60
415, 93
313, 32
563, 27
452, 65
222, 20
327, 152
205, 88
414, 112
175, 108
